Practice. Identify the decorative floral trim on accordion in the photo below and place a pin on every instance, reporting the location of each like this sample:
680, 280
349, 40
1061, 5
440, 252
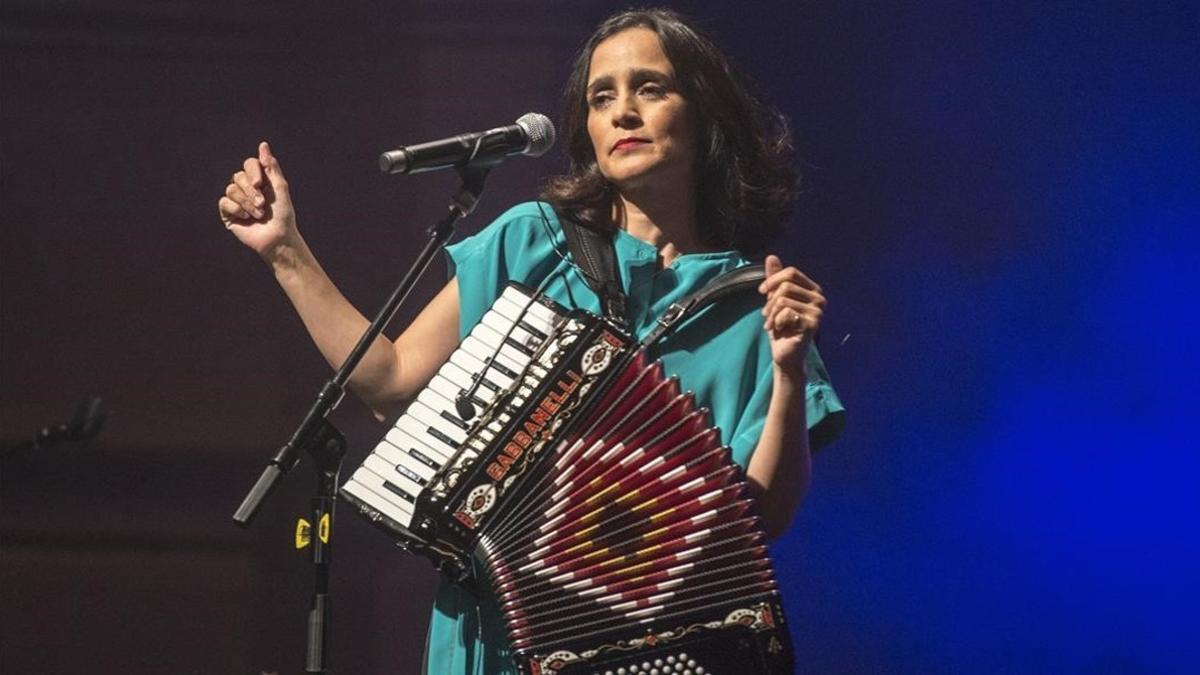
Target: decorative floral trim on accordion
757, 617
539, 424
547, 356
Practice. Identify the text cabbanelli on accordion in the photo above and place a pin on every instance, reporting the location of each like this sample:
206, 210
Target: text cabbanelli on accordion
551, 464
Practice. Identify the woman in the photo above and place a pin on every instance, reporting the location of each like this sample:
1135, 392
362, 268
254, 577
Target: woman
669, 153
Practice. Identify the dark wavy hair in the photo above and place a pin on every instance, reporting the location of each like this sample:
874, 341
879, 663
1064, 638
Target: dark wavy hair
747, 180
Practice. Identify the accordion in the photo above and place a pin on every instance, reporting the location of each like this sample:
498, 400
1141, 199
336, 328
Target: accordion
551, 464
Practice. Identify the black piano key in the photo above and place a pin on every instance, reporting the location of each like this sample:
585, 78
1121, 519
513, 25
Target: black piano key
501, 368
519, 346
454, 419
399, 491
528, 327
422, 458
417, 430
437, 433
410, 474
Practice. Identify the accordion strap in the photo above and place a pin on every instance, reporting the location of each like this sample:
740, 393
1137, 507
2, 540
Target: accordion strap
594, 253
596, 257
734, 281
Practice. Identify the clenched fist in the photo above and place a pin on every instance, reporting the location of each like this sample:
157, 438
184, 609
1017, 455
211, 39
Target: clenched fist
256, 206
792, 313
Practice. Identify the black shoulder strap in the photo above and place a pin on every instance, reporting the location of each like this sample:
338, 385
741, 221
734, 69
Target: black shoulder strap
594, 253
734, 281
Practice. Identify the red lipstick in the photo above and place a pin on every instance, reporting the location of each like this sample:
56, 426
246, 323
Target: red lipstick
630, 142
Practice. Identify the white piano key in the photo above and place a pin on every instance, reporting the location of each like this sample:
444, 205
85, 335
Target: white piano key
506, 334
409, 435
431, 419
516, 294
384, 486
516, 333
485, 332
368, 487
388, 471
538, 328
471, 364
413, 447
443, 406
445, 388
460, 381
512, 303
401, 456
455, 379
479, 349
491, 338
431, 446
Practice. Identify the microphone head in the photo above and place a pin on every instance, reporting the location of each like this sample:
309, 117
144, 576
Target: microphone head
464, 407
540, 131
87, 421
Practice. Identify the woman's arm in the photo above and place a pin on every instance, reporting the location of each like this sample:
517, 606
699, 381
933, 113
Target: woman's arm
780, 469
257, 209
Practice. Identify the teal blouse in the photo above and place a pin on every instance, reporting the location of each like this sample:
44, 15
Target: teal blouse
722, 355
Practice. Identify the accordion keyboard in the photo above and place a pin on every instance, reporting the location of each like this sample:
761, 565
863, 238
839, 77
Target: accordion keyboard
430, 431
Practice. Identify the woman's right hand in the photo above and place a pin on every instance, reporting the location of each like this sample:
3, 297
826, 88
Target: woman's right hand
257, 209
256, 206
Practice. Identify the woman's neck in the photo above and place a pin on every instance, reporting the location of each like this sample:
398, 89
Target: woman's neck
666, 222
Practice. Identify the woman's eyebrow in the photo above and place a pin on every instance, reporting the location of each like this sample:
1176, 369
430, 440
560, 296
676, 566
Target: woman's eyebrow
638, 75
650, 75
602, 82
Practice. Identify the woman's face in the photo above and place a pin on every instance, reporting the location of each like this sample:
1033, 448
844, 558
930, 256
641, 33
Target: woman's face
638, 121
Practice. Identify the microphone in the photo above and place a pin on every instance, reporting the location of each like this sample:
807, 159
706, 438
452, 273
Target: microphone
532, 135
88, 420
84, 425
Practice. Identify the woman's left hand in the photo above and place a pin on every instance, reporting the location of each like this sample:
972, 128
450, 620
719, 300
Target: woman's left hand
792, 314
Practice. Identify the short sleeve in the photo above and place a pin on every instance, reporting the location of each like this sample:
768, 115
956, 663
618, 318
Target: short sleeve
826, 415
823, 409
517, 246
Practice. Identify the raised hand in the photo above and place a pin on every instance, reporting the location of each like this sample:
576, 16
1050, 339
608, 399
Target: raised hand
256, 206
792, 313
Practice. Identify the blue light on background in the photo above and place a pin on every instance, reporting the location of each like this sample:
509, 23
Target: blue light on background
1016, 491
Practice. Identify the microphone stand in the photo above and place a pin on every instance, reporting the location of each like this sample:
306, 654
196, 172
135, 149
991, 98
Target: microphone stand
317, 436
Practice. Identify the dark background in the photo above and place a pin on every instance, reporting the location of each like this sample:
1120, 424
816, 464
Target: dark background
1001, 204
